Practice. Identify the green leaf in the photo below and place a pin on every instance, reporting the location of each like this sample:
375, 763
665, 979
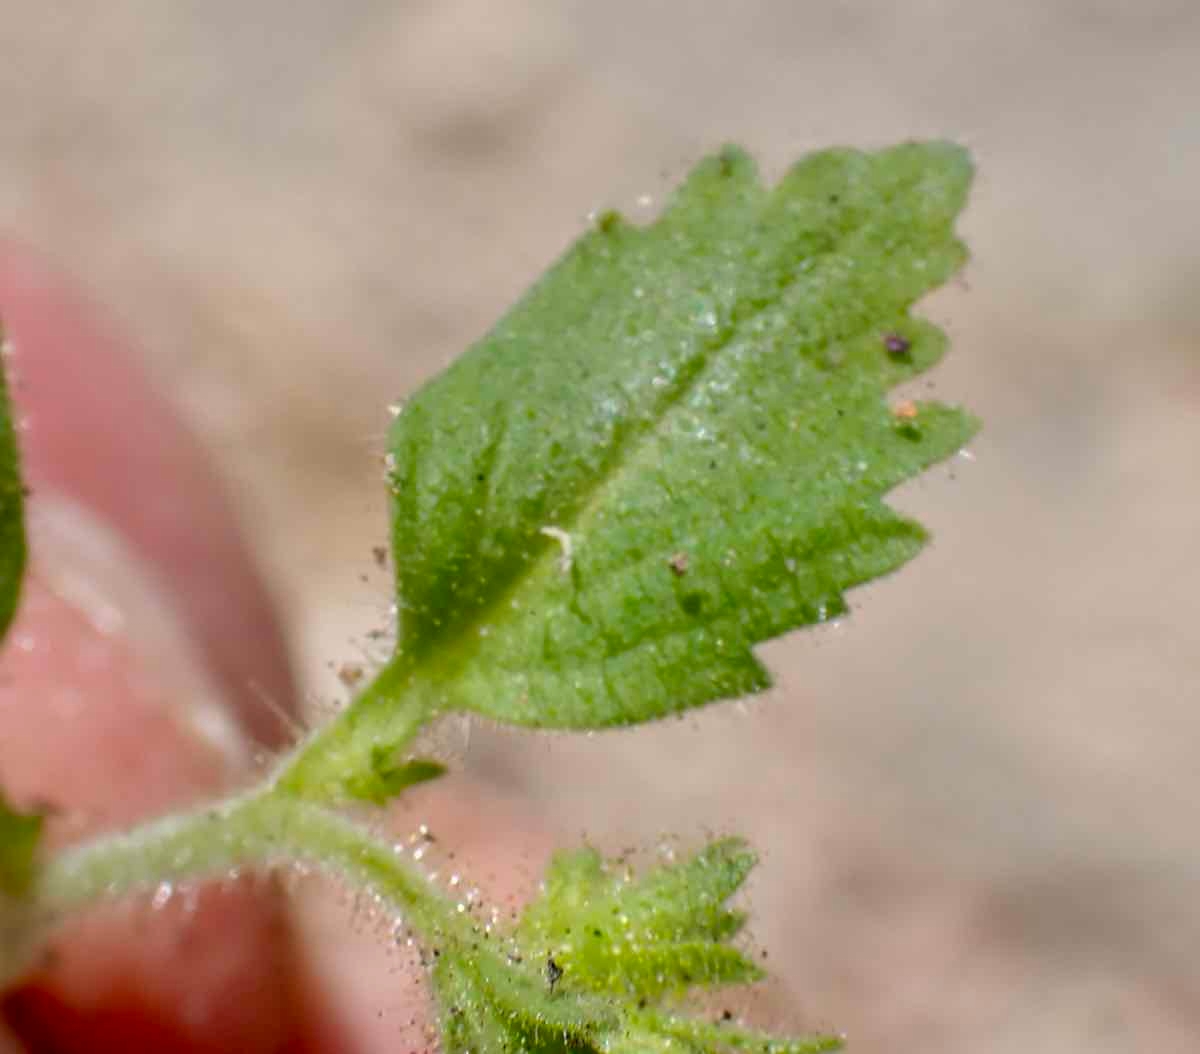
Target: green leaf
19, 835
648, 937
681, 901
593, 960
386, 778
709, 1035
677, 444
12, 500
674, 447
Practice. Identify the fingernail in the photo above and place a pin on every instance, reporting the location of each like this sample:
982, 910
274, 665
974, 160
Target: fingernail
108, 713
88, 566
141, 629
97, 429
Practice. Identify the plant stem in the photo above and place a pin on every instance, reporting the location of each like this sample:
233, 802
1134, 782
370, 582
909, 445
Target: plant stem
378, 724
285, 822
261, 829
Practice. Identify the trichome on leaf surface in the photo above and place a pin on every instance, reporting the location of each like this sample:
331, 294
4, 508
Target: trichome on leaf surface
674, 447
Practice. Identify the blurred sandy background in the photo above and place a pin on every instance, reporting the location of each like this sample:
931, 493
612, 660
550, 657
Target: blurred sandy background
977, 798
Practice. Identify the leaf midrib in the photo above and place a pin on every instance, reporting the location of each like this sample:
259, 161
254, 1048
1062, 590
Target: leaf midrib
447, 659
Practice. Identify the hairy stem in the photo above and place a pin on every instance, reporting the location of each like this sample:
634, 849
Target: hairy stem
261, 829
383, 719
282, 822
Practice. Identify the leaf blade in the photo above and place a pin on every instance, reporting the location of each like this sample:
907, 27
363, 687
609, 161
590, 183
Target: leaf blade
659, 934
558, 982
546, 494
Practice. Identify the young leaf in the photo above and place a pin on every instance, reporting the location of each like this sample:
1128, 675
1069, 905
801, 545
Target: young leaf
698, 1035
12, 525
677, 444
386, 778
658, 935
610, 949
